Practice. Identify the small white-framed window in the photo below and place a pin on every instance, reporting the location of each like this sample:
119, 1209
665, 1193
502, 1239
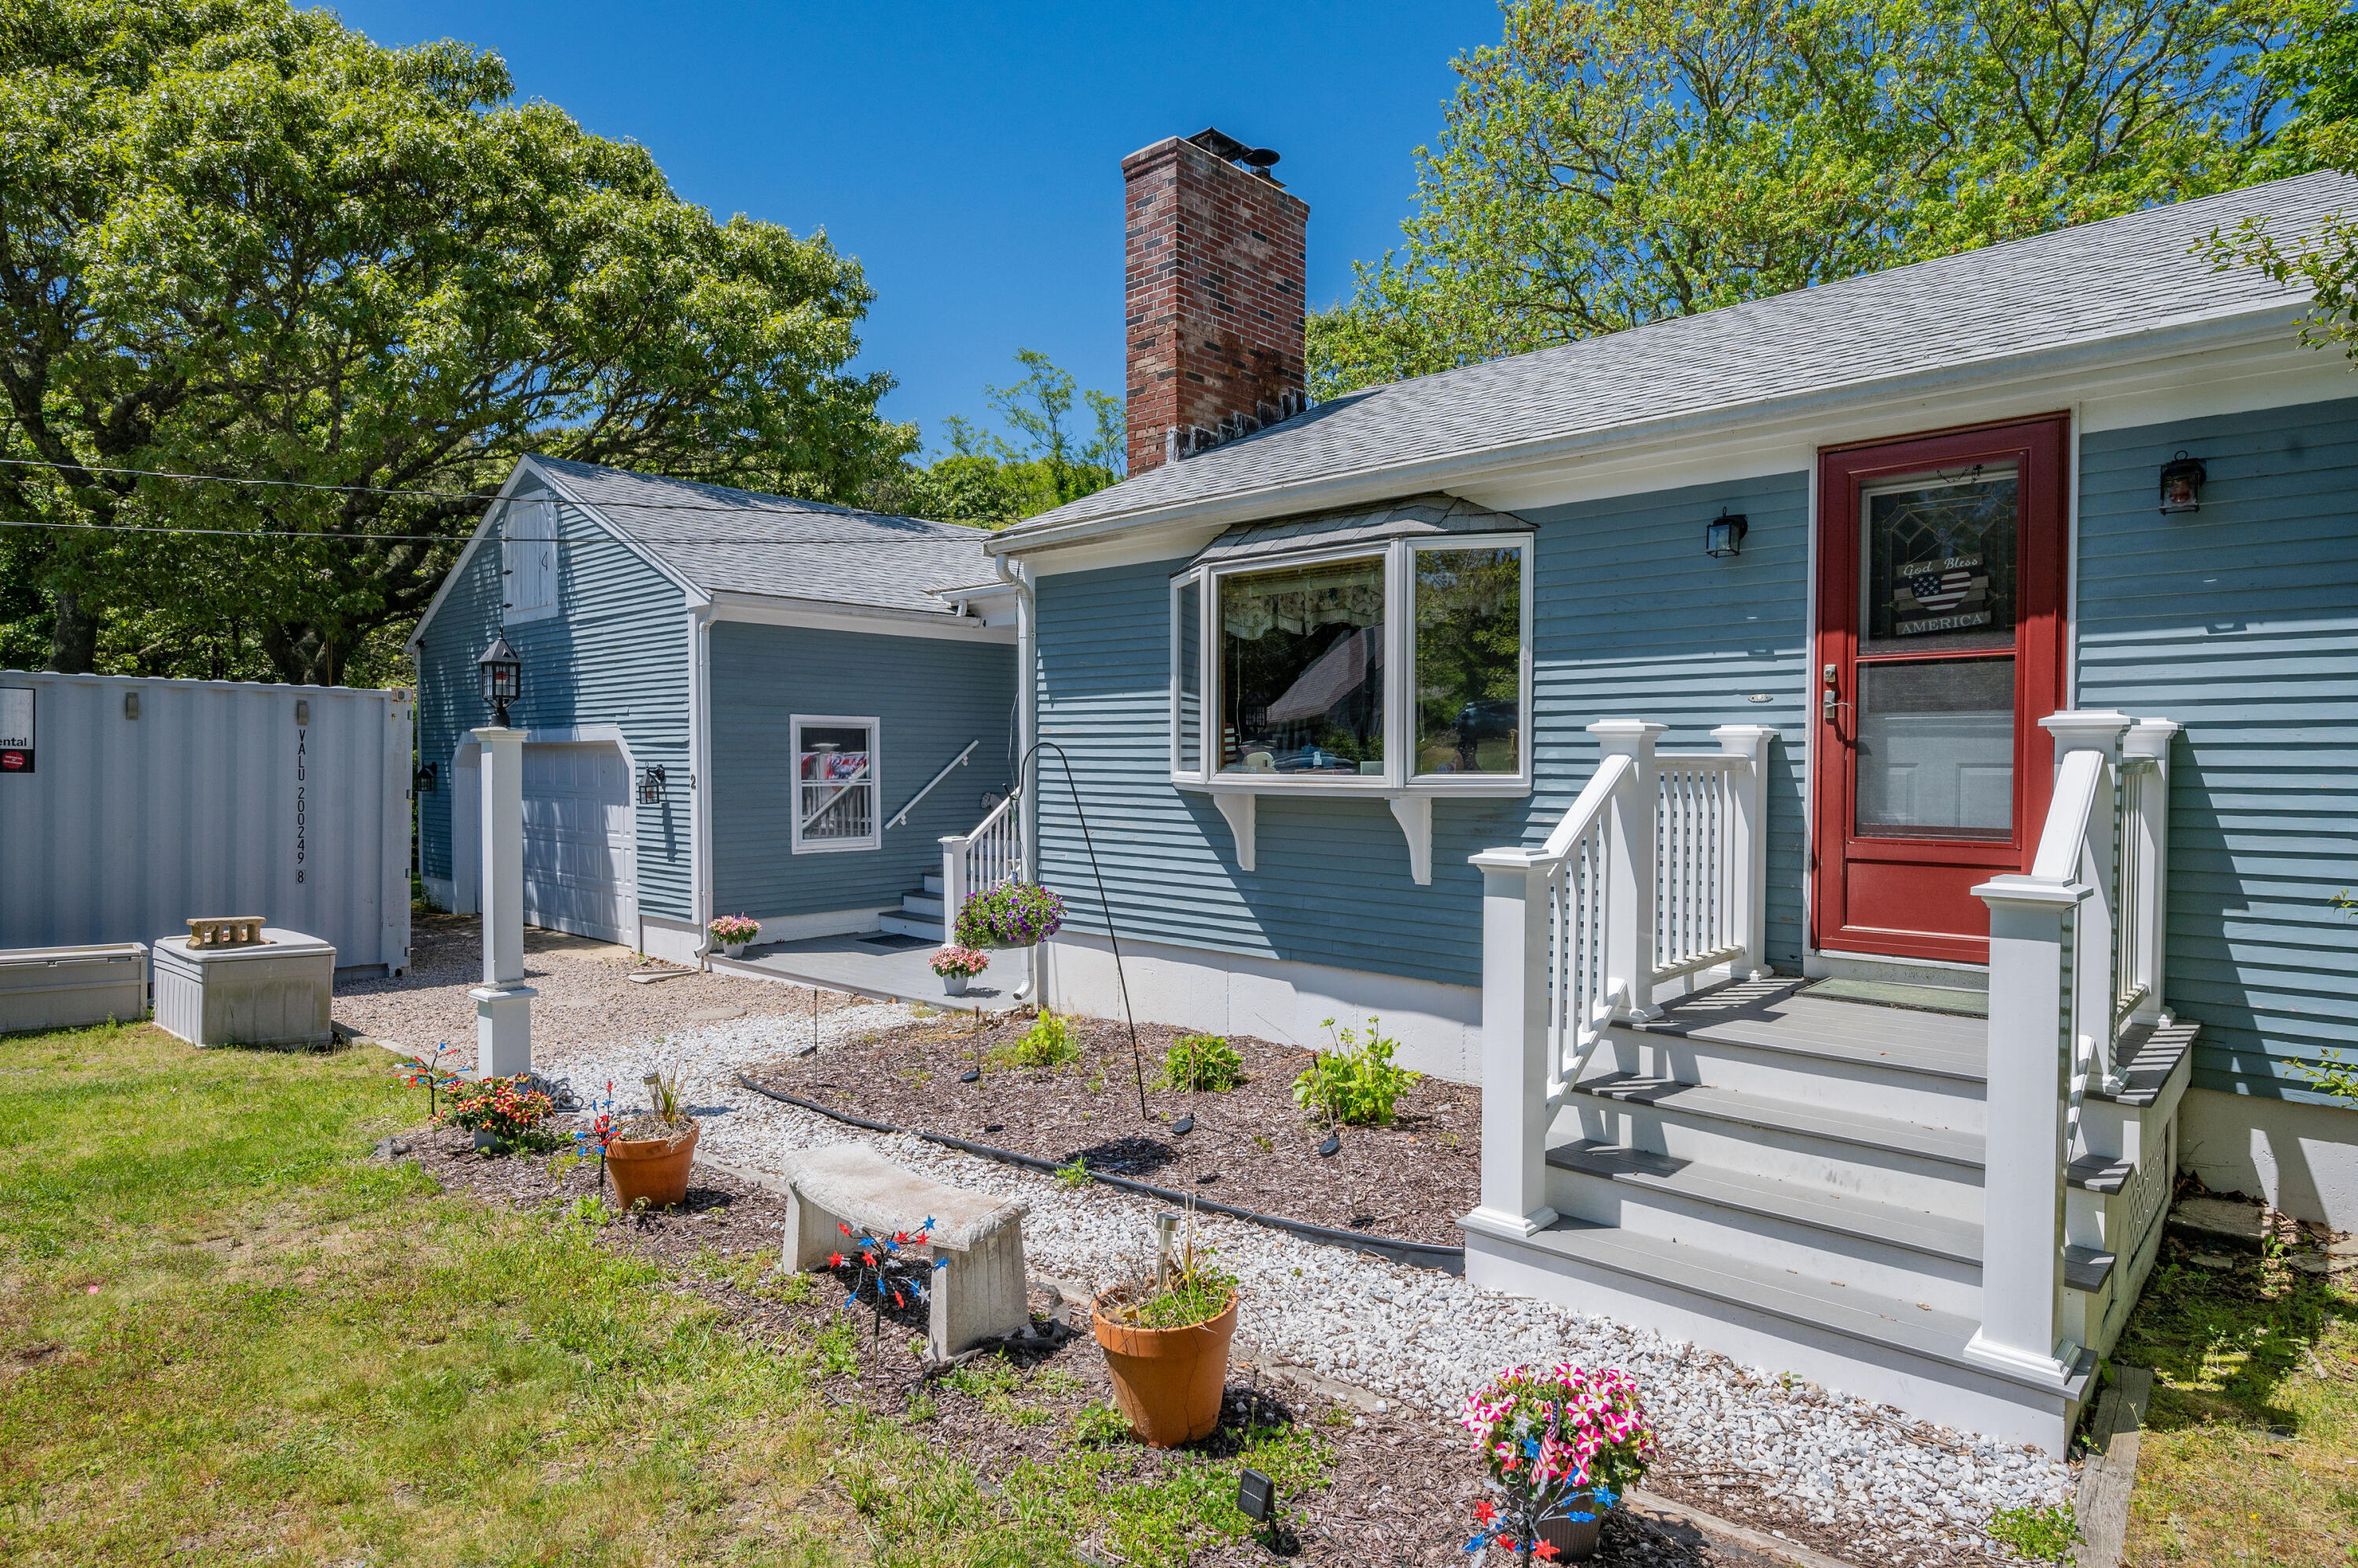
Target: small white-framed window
836, 781
1400, 665
528, 560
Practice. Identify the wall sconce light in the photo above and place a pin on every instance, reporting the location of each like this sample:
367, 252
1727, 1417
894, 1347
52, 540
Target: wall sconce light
428, 779
1724, 535
503, 675
2181, 484
651, 786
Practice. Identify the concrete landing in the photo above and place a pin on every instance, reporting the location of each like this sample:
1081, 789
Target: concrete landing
882, 964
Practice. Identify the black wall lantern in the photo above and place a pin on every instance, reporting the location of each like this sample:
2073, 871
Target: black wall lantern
503, 675
651, 786
1724, 535
2181, 484
428, 779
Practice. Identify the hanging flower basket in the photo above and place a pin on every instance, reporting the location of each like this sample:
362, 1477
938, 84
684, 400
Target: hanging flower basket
1012, 915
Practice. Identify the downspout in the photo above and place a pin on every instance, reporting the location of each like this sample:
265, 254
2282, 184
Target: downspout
1027, 725
700, 778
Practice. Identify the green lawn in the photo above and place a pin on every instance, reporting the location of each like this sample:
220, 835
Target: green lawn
2250, 1451
229, 1334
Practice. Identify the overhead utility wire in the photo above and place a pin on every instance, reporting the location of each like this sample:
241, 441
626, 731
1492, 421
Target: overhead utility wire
820, 509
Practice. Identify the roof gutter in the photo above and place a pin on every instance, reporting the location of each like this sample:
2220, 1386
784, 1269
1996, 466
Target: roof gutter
2165, 340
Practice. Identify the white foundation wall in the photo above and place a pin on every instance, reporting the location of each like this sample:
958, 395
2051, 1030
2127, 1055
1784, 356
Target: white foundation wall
2302, 1158
1439, 1026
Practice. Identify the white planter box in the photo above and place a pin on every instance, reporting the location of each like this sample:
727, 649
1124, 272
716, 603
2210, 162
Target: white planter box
65, 988
276, 994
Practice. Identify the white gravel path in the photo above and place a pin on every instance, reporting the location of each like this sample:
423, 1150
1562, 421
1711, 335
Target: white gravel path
1411, 1334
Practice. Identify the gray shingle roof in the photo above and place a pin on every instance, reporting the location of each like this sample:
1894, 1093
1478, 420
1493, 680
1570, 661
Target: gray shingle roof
1419, 517
2049, 291
743, 541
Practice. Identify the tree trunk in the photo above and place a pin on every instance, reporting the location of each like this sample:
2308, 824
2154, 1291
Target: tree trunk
73, 640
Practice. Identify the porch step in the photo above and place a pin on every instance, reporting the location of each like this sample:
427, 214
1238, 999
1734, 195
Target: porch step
1855, 1218
932, 884
2086, 1269
1887, 1333
924, 903
903, 925
1880, 1134
1769, 1016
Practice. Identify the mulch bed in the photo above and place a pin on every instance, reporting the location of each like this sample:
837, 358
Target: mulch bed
1251, 1147
1400, 1490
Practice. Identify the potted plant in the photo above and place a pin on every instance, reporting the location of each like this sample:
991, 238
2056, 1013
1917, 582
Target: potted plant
649, 1155
735, 932
957, 965
1011, 914
504, 1114
1165, 1338
1561, 1447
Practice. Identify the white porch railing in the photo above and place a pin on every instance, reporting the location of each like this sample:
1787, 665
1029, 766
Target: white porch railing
992, 853
1655, 873
2076, 951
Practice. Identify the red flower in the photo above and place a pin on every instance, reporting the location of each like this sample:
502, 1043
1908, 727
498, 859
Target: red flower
1545, 1551
835, 1260
869, 1259
1484, 1513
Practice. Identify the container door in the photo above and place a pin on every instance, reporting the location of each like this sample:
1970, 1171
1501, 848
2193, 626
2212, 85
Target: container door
1940, 648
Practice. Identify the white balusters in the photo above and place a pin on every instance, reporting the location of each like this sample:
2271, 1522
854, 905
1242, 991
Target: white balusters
992, 853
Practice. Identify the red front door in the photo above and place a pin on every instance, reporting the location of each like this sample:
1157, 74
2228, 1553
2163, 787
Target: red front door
1940, 589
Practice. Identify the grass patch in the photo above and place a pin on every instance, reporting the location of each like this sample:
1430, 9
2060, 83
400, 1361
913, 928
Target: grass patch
2037, 1535
2250, 1442
227, 1333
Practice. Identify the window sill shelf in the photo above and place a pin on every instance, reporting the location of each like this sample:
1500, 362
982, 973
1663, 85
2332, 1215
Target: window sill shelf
1411, 805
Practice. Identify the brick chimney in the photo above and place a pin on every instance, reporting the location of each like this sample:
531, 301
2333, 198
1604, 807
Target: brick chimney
1215, 272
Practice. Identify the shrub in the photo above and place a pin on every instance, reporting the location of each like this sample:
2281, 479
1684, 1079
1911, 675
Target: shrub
510, 1110
1052, 1042
1356, 1082
956, 960
1550, 1438
1202, 1062
1012, 915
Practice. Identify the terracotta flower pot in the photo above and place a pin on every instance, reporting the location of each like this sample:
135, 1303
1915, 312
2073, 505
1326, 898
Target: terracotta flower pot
1168, 1381
655, 1169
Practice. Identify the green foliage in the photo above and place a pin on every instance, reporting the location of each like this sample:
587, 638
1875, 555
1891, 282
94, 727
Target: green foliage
839, 1349
1075, 1174
2037, 1535
242, 239
1101, 1426
1356, 1082
987, 480
1203, 1062
1613, 162
1053, 1041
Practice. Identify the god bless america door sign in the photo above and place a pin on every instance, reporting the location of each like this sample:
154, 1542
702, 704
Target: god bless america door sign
15, 730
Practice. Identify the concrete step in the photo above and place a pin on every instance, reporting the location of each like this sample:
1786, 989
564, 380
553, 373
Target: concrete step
927, 904
1847, 1242
901, 925
1862, 1342
1836, 1152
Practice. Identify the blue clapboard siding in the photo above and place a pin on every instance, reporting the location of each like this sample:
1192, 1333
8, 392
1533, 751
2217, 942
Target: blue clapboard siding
932, 695
615, 653
1632, 620
2241, 622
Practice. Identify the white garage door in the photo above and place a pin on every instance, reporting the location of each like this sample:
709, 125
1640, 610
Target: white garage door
580, 846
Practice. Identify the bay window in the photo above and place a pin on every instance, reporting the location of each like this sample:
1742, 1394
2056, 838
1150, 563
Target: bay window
1401, 666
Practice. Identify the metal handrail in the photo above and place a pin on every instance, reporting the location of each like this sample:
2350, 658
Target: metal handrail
901, 815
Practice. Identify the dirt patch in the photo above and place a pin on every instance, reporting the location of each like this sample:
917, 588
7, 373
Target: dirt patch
586, 993
1400, 1488
1250, 1146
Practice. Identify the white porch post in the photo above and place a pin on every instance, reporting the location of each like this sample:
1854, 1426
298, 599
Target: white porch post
953, 883
1629, 890
1515, 919
2149, 738
2095, 950
1748, 847
2022, 1185
503, 1003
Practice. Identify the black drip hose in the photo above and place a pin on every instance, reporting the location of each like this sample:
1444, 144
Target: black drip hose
1416, 1254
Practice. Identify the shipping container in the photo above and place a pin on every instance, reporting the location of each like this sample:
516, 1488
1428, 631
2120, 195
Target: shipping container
131, 806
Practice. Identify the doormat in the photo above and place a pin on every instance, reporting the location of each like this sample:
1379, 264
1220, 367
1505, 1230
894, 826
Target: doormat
1923, 998
895, 942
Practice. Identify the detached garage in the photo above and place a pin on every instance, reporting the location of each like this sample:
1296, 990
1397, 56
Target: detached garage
699, 665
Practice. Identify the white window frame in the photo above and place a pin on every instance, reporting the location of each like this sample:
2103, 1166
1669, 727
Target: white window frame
874, 838
1398, 557
528, 545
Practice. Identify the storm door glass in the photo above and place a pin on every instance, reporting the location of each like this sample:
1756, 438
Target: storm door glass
1936, 669
1302, 670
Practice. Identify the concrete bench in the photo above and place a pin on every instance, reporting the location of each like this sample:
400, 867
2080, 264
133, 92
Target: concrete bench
980, 1294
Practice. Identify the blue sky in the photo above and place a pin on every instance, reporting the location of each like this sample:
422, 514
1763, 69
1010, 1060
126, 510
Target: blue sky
971, 154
